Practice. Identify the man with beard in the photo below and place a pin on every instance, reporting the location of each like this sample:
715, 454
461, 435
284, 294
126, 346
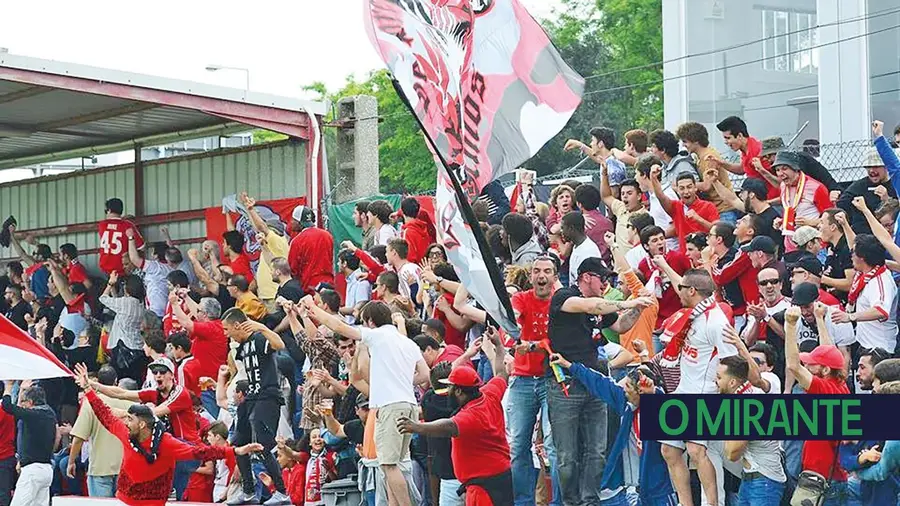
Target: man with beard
361, 221
578, 420
527, 395
804, 199
691, 213
172, 403
865, 371
697, 345
731, 270
653, 239
821, 371
874, 188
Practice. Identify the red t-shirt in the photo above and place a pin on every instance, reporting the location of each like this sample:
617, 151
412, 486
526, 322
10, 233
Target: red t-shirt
76, 272
452, 352
312, 258
188, 375
209, 345
170, 323
684, 225
754, 148
452, 335
114, 243
181, 411
818, 456
669, 302
533, 319
241, 266
829, 300
480, 449
7, 435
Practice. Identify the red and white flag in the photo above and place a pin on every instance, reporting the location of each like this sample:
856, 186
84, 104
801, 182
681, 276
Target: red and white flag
21, 357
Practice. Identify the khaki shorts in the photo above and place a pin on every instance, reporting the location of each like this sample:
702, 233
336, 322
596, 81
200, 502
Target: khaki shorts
391, 446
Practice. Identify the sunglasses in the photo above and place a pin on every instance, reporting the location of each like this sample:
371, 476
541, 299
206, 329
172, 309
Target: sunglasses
769, 282
682, 287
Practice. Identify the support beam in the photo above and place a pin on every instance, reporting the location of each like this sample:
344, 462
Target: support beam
138, 182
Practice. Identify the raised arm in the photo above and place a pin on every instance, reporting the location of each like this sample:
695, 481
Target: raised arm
275, 341
792, 351
664, 200
186, 322
878, 230
133, 254
62, 284
495, 351
336, 324
208, 282
249, 204
27, 258
599, 306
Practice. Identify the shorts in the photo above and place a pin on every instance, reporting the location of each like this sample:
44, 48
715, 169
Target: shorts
682, 446
391, 447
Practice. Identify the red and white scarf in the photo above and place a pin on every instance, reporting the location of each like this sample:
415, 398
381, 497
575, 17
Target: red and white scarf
860, 281
677, 327
789, 223
746, 388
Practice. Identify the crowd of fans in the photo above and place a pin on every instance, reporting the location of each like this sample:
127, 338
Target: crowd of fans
205, 376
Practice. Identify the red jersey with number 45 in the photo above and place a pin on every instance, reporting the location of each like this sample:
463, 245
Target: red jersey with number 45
114, 243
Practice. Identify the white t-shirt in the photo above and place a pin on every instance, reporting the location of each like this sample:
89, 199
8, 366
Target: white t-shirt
661, 218
881, 294
157, 287
635, 255
774, 382
586, 249
221, 480
808, 335
779, 306
392, 365
703, 348
409, 269
385, 234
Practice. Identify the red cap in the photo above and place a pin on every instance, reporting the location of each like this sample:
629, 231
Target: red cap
462, 376
827, 356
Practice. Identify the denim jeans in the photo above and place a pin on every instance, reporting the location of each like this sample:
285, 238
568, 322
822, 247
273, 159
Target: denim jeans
669, 500
73, 486
449, 497
7, 479
760, 492
183, 471
578, 422
730, 216
840, 494
102, 486
620, 499
527, 397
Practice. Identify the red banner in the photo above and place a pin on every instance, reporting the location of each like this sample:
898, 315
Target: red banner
277, 213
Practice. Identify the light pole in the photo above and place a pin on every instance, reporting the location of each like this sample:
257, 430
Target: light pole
216, 68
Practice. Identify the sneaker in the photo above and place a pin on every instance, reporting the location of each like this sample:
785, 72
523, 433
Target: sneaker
278, 499
243, 498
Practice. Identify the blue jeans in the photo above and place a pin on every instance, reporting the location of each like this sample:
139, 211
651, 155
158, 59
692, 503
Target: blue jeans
840, 494
669, 500
449, 497
760, 492
73, 485
102, 486
620, 499
578, 422
527, 398
370, 497
208, 399
183, 471
730, 216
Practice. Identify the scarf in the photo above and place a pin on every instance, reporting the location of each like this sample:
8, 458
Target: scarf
159, 429
860, 281
790, 208
636, 430
743, 389
677, 327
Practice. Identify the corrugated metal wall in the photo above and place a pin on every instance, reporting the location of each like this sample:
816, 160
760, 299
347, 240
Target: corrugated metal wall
270, 171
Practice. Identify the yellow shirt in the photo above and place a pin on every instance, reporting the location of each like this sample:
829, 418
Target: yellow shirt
278, 246
712, 194
251, 306
106, 450
621, 212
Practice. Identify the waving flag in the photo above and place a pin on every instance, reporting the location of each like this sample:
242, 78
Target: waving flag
21, 357
489, 90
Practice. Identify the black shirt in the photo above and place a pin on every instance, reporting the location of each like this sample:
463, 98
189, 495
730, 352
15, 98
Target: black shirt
436, 407
17, 313
768, 228
355, 431
837, 261
572, 334
860, 188
292, 291
38, 432
225, 299
258, 358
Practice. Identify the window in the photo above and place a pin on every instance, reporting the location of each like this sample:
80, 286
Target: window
789, 41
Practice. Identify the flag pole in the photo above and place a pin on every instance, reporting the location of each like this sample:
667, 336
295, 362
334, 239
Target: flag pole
468, 214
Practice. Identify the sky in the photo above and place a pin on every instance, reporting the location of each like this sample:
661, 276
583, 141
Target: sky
284, 43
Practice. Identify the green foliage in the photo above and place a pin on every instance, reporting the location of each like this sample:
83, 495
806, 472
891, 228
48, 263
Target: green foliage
598, 38
263, 136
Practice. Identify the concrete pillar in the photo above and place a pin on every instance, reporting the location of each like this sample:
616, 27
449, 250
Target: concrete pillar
357, 148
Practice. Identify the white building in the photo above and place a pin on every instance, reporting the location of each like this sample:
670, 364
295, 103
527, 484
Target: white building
780, 63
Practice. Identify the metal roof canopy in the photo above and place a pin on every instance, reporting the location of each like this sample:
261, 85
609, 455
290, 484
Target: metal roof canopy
52, 111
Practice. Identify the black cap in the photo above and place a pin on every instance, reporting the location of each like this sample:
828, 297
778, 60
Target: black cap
809, 264
593, 265
804, 294
762, 243
789, 158
755, 186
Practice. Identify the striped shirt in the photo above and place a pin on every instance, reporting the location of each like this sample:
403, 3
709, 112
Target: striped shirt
126, 326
